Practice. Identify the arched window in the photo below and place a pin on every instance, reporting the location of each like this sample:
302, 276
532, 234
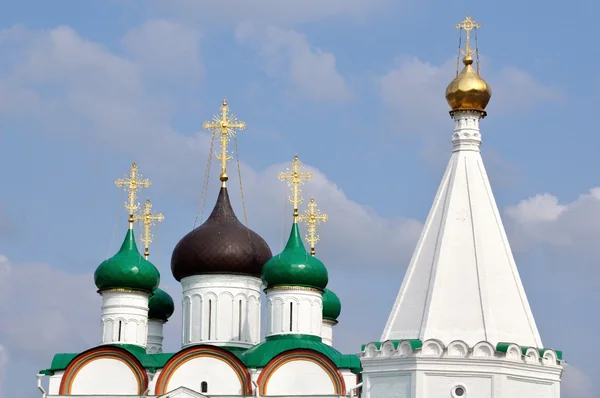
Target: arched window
204, 387
209, 318
240, 321
291, 316
120, 329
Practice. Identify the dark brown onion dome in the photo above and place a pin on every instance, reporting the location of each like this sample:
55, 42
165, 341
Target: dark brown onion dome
222, 245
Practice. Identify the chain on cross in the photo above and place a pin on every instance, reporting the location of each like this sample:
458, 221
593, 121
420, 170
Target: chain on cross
468, 24
295, 177
148, 220
313, 218
132, 183
228, 125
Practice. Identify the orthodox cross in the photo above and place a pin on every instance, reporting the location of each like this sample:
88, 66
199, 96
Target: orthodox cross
313, 218
468, 24
149, 220
132, 183
295, 178
228, 125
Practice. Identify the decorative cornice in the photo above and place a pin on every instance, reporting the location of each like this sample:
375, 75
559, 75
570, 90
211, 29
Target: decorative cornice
459, 350
305, 288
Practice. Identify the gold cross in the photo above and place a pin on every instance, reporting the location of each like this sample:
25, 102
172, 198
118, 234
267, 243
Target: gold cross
468, 24
149, 219
228, 124
132, 183
313, 218
295, 178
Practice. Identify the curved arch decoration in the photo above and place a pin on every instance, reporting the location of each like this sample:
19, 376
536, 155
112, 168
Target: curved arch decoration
109, 352
190, 353
305, 355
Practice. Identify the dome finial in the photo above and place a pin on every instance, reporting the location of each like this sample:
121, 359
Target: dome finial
468, 24
313, 218
132, 183
468, 91
149, 220
228, 126
295, 177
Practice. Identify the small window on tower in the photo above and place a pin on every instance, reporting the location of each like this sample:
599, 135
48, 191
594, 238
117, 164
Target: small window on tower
291, 316
120, 328
204, 387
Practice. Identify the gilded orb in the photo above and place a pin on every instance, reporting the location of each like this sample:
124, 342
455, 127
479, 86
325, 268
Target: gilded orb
468, 91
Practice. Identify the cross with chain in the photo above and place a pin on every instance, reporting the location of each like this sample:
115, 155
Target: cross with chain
295, 178
228, 126
132, 183
149, 220
468, 24
313, 218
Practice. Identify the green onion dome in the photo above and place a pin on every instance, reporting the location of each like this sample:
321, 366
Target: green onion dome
127, 269
332, 306
160, 306
294, 266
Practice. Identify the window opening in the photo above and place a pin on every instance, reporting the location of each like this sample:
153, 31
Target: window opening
204, 387
291, 315
209, 318
240, 321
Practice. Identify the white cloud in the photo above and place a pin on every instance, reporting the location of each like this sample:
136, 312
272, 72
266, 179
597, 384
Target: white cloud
417, 89
37, 297
573, 227
311, 71
576, 384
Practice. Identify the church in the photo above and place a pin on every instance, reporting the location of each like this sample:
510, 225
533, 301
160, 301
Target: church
461, 325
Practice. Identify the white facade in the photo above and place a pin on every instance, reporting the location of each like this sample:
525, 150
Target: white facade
124, 317
462, 282
294, 310
458, 371
461, 296
221, 309
155, 336
327, 331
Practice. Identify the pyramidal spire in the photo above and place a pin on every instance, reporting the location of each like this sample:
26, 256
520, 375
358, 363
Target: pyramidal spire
462, 282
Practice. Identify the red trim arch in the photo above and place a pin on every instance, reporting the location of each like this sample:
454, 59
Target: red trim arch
203, 351
305, 355
95, 353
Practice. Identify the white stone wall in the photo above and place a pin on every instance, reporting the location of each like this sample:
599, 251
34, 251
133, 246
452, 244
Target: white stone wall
327, 332
124, 317
88, 382
155, 336
299, 377
438, 371
221, 309
294, 311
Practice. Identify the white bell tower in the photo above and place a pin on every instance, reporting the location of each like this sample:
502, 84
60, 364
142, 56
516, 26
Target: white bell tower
461, 325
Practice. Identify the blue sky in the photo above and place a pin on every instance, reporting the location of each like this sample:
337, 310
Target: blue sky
355, 87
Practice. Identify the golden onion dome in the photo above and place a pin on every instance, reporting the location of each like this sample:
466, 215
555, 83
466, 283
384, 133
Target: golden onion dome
468, 91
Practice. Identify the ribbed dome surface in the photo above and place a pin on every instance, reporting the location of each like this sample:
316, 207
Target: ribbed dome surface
222, 245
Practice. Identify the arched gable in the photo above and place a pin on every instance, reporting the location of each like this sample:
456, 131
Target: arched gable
102, 353
186, 355
314, 357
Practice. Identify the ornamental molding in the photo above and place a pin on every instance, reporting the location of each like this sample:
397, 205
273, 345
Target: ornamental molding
459, 352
